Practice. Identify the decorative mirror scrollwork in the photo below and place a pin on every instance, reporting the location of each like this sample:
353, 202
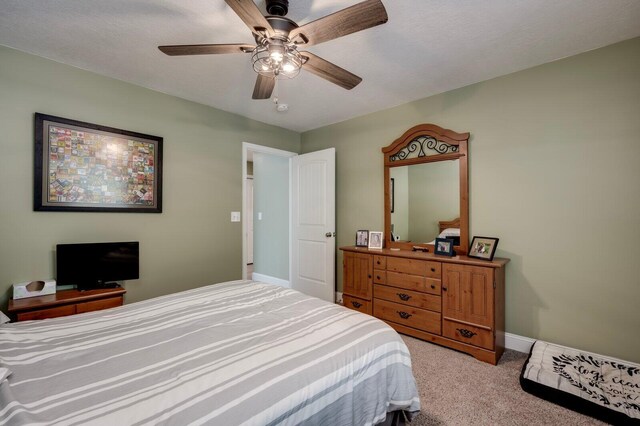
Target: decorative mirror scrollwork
421, 146
416, 148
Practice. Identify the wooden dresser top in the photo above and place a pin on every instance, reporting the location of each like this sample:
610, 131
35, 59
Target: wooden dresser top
497, 262
62, 297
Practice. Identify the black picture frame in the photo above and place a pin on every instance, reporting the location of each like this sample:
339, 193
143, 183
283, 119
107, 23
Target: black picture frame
444, 247
362, 238
85, 167
483, 248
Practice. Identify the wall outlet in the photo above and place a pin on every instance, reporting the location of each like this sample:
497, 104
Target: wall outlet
235, 216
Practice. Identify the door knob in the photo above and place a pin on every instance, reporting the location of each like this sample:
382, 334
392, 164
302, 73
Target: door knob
330, 234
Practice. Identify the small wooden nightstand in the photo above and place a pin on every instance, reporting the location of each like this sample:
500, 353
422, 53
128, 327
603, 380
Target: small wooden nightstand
65, 302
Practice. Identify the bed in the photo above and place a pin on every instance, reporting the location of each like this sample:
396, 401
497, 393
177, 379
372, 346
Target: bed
240, 352
448, 229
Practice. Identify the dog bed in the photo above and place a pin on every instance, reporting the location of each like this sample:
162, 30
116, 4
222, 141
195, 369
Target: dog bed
598, 386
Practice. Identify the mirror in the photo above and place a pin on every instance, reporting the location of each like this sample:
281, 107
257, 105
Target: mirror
422, 196
426, 188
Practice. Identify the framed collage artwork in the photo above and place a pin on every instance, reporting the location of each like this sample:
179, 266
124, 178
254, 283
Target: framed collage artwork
91, 168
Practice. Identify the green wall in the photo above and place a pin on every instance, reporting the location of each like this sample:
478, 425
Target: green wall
193, 241
554, 171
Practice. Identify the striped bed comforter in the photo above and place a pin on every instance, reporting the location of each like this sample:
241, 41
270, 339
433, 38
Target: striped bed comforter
240, 352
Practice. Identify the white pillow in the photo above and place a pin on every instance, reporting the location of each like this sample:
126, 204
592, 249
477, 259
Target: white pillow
450, 232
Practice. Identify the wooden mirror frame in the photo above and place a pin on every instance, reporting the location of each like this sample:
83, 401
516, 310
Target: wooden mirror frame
449, 146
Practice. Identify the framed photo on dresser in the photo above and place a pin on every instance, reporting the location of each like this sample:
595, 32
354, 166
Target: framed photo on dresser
444, 246
375, 239
362, 238
483, 248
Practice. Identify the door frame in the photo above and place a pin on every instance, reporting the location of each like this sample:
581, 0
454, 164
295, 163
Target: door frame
246, 149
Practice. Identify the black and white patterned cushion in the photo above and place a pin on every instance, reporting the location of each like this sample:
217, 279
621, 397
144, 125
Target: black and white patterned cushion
595, 385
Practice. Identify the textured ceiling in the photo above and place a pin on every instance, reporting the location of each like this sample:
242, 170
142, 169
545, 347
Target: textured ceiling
427, 47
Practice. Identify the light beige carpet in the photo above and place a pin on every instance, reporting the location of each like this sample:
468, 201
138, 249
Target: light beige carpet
456, 389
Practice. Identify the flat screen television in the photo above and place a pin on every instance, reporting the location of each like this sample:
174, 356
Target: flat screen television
96, 265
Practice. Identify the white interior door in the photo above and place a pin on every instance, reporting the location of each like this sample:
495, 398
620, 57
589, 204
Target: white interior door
249, 219
313, 224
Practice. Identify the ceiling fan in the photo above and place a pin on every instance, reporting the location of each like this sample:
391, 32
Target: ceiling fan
276, 54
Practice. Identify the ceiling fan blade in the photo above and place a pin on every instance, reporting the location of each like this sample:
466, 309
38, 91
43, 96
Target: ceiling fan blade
263, 88
347, 21
251, 16
331, 72
205, 49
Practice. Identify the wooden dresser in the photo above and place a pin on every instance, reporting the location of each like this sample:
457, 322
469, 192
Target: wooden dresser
456, 302
65, 302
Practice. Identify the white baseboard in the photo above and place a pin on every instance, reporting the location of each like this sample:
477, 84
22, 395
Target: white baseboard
339, 298
271, 280
518, 343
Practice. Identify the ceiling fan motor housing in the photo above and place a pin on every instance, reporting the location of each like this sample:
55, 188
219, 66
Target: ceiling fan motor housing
277, 7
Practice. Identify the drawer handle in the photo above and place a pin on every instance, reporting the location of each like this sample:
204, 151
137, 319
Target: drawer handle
369, 276
433, 269
378, 276
404, 315
356, 304
378, 262
433, 287
403, 296
466, 333
444, 289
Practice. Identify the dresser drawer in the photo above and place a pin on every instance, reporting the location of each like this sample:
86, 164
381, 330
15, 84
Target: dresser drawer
434, 270
379, 262
415, 267
60, 311
97, 305
379, 276
408, 281
477, 336
433, 286
408, 297
414, 282
356, 304
407, 315
408, 266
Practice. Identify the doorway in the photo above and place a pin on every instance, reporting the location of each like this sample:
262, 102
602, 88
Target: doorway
293, 219
265, 195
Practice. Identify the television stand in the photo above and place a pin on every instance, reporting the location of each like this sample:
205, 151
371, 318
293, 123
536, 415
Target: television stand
65, 302
100, 286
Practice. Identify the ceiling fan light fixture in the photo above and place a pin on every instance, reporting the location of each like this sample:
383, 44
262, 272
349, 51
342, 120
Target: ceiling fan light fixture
276, 61
276, 52
288, 67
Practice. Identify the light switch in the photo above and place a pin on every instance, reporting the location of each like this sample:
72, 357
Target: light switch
259, 215
235, 216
